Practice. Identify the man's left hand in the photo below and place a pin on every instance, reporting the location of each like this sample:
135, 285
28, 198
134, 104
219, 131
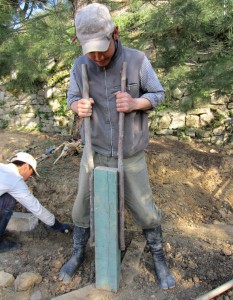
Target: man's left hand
124, 102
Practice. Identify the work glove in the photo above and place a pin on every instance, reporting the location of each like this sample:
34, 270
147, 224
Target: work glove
64, 228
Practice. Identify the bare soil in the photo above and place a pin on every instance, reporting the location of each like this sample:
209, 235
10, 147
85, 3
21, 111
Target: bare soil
192, 184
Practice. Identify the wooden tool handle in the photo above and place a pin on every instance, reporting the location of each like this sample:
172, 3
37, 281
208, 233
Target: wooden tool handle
120, 162
87, 124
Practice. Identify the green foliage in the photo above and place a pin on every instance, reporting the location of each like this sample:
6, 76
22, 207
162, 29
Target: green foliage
4, 124
56, 76
162, 106
26, 109
38, 126
37, 112
217, 121
12, 113
63, 107
34, 44
192, 40
46, 116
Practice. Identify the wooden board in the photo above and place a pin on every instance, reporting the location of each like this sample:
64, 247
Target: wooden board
107, 253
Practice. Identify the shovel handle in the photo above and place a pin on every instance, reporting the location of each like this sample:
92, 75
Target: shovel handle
87, 124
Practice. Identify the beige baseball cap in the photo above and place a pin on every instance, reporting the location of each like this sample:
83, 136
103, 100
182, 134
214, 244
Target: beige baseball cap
94, 27
27, 158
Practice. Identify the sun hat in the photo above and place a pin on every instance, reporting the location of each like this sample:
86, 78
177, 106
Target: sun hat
27, 158
94, 27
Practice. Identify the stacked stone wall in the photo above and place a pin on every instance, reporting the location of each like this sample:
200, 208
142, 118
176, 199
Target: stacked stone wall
210, 122
44, 111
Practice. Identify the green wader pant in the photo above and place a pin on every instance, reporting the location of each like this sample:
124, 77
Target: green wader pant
138, 194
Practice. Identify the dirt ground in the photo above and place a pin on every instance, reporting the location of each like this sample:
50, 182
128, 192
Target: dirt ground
192, 184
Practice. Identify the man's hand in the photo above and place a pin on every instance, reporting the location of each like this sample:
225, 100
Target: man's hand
64, 228
83, 107
125, 103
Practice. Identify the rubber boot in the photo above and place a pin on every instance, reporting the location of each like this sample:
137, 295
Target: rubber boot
6, 245
155, 242
81, 236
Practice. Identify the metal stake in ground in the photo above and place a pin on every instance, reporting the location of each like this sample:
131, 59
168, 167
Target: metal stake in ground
87, 124
120, 162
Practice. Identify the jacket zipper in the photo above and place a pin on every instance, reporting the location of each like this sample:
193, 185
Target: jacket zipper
109, 114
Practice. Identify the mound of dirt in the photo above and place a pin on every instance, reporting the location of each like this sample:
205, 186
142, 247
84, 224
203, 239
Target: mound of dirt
191, 183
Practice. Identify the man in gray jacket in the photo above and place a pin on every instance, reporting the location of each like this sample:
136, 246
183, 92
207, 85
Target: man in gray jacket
104, 54
13, 189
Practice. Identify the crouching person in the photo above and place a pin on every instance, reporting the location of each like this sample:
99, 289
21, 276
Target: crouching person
13, 189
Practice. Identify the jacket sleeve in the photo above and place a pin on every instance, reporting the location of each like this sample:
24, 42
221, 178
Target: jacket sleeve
74, 92
22, 194
150, 84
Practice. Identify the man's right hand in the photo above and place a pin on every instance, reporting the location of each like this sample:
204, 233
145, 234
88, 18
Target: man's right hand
83, 107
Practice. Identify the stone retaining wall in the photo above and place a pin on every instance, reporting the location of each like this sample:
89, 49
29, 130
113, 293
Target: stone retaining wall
42, 111
47, 111
211, 123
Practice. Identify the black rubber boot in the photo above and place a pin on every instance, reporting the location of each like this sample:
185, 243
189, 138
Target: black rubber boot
81, 236
6, 245
155, 242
